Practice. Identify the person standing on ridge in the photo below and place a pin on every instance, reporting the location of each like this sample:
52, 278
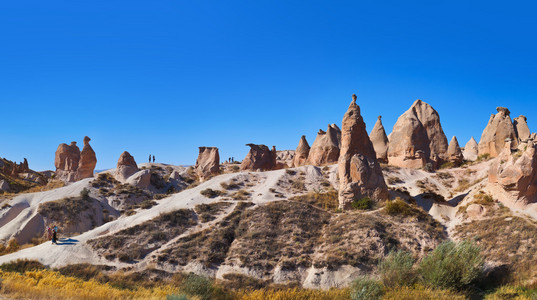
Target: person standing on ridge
153, 158
149, 158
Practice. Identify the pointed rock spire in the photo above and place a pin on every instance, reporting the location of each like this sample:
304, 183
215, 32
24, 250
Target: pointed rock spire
380, 141
454, 153
470, 150
301, 152
360, 174
498, 129
325, 148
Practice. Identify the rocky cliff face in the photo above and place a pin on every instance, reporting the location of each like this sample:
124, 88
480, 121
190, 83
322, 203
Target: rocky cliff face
208, 162
259, 158
499, 128
380, 141
360, 174
325, 148
417, 137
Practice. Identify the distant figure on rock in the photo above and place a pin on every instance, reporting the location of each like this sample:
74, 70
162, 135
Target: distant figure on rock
49, 233
149, 158
153, 158
54, 235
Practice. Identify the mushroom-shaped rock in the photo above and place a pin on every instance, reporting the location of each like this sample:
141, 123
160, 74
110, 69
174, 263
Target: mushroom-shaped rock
498, 129
521, 128
454, 153
208, 162
301, 152
258, 158
360, 174
418, 128
66, 161
380, 141
516, 173
471, 150
87, 162
325, 148
126, 167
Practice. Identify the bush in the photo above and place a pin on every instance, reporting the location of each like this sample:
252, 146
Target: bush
452, 266
210, 193
397, 269
398, 207
84, 194
176, 297
364, 288
195, 285
363, 204
22, 266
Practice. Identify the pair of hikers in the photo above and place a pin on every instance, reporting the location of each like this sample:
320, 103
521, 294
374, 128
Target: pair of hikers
150, 158
52, 234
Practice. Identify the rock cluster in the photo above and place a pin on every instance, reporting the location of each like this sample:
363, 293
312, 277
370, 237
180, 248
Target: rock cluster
284, 158
10, 168
325, 148
380, 141
260, 157
360, 174
302, 152
498, 129
208, 162
71, 164
417, 138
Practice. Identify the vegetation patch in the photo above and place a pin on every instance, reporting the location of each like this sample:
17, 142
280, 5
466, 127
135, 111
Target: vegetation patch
324, 200
210, 193
208, 212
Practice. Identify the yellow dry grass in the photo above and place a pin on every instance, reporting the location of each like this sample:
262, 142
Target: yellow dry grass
295, 294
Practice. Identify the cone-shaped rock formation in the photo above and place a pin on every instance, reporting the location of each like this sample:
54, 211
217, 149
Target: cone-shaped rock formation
499, 128
325, 148
471, 150
126, 166
301, 152
454, 153
88, 160
380, 141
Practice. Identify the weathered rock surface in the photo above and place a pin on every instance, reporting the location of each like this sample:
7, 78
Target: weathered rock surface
208, 162
4, 186
380, 141
126, 167
475, 211
141, 179
285, 158
87, 162
302, 152
360, 174
325, 148
471, 150
498, 129
418, 129
454, 153
66, 162
521, 128
516, 173
259, 158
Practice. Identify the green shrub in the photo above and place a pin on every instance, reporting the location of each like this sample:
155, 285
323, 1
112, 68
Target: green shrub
176, 297
365, 288
398, 207
452, 266
363, 204
84, 193
195, 285
397, 269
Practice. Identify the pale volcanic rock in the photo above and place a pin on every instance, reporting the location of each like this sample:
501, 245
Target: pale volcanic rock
360, 174
475, 211
87, 162
259, 158
126, 167
285, 158
141, 179
301, 152
516, 173
471, 150
418, 129
380, 141
325, 148
521, 128
208, 163
498, 129
66, 161
454, 153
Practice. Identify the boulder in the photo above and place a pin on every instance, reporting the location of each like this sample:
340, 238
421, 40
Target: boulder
87, 162
521, 127
380, 141
141, 179
301, 152
4, 186
516, 173
208, 163
360, 174
475, 211
325, 148
66, 161
454, 153
418, 129
259, 158
470, 150
126, 167
498, 129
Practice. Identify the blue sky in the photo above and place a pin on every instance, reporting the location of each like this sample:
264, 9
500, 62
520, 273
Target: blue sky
165, 77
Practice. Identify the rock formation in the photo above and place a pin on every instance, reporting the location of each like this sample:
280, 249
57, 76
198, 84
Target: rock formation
380, 141
126, 166
360, 174
66, 162
208, 162
285, 158
516, 173
259, 158
325, 148
301, 152
471, 150
418, 129
521, 127
498, 129
87, 162
454, 153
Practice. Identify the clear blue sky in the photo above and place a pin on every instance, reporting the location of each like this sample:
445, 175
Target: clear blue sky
165, 77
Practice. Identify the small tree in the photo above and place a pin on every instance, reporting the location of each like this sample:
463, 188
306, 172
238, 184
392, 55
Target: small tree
365, 288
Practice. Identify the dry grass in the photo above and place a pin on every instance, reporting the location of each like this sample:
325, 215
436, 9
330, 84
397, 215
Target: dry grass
241, 195
327, 200
208, 212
